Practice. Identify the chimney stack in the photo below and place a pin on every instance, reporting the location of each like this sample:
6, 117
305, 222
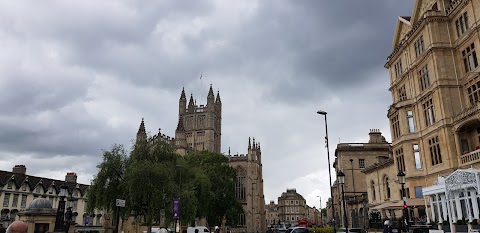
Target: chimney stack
19, 169
71, 177
375, 136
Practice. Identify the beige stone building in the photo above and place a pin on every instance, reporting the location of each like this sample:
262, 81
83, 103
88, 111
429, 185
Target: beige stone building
18, 190
249, 188
313, 216
435, 87
352, 159
199, 128
292, 207
272, 215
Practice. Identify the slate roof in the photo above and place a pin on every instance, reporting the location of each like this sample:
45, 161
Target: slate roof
34, 181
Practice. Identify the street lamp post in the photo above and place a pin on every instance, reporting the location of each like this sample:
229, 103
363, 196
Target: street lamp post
321, 214
59, 221
341, 181
329, 170
401, 180
177, 219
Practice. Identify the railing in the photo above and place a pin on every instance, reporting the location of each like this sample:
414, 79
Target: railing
470, 157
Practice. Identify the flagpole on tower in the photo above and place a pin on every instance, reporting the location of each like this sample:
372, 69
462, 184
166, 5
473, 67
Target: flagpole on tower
201, 89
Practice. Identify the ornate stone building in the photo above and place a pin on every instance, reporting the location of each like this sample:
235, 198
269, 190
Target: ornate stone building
249, 188
292, 207
199, 128
18, 190
272, 216
352, 159
435, 87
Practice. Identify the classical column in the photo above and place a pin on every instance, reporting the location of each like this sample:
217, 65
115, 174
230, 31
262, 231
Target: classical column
432, 207
473, 195
440, 218
469, 209
444, 206
451, 216
458, 204
458, 144
426, 208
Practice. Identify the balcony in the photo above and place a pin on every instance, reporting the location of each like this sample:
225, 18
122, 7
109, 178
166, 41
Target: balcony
467, 112
470, 158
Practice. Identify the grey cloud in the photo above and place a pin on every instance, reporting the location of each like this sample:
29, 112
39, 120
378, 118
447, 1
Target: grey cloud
98, 69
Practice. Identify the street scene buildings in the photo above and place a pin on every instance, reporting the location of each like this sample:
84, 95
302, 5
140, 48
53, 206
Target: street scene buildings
434, 82
429, 174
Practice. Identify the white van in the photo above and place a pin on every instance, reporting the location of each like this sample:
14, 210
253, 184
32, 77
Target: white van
197, 229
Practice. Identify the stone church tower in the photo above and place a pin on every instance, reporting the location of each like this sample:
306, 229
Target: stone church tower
249, 188
199, 126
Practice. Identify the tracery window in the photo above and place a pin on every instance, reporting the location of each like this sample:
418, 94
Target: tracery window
240, 185
435, 153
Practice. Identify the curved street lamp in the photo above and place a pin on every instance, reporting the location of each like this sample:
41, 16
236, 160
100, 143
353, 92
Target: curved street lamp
60, 218
341, 181
329, 171
401, 180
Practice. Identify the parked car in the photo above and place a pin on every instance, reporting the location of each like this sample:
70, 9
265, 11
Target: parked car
300, 230
351, 230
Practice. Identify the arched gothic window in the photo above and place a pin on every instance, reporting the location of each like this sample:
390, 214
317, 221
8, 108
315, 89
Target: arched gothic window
387, 188
240, 185
372, 188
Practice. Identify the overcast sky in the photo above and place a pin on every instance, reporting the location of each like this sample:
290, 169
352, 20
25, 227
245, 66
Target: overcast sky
78, 76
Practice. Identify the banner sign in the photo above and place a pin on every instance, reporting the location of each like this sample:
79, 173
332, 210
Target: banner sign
176, 205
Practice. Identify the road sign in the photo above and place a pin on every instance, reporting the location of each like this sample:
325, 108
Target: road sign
176, 204
120, 202
87, 218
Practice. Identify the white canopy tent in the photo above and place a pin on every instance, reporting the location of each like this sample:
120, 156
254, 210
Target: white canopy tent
454, 197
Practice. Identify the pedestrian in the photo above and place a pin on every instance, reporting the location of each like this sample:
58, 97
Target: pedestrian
17, 227
387, 228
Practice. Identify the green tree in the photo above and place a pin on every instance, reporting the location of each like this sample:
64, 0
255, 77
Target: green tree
150, 180
214, 186
107, 184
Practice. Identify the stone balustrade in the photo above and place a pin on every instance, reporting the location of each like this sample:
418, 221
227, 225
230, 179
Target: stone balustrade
469, 158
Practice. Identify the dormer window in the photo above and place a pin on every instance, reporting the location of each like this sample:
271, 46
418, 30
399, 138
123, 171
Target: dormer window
10, 185
24, 187
38, 189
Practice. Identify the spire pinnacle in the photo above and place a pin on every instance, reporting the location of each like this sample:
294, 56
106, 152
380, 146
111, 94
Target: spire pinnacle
141, 134
191, 100
210, 92
249, 143
217, 100
182, 96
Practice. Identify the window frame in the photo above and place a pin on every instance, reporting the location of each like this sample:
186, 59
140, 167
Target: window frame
435, 152
469, 56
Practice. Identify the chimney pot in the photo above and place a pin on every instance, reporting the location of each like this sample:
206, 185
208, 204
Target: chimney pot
71, 177
19, 169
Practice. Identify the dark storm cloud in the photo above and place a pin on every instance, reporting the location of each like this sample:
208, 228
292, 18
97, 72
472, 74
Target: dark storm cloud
78, 77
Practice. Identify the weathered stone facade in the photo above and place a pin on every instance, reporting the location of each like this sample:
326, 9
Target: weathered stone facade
434, 115
199, 128
272, 216
291, 207
352, 159
249, 188
18, 190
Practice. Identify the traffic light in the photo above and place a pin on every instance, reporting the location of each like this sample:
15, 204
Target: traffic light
405, 206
